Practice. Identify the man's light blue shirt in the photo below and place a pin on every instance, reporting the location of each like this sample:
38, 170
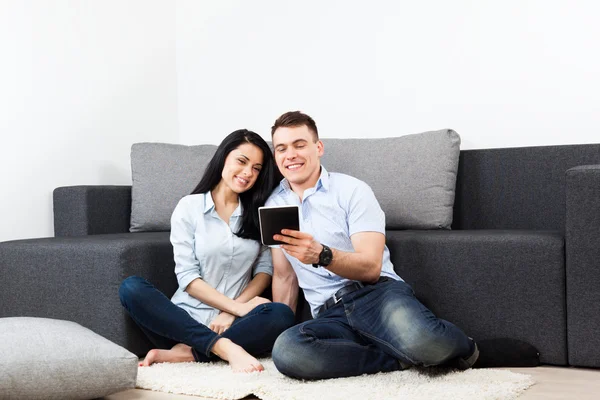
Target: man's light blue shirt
336, 208
206, 247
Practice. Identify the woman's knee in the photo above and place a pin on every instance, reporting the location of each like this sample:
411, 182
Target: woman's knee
282, 314
129, 288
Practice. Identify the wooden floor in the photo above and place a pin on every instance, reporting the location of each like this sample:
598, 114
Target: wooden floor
551, 383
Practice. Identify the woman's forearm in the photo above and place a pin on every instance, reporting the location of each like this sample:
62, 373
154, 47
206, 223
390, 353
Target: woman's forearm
256, 287
209, 295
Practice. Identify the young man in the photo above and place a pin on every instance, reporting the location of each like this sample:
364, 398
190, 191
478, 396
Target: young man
366, 318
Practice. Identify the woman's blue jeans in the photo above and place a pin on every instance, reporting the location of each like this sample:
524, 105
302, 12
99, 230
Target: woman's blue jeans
166, 324
378, 328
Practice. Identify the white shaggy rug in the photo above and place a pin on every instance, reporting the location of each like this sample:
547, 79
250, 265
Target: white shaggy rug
216, 380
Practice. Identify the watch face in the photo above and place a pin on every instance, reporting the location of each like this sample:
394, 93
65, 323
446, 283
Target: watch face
325, 256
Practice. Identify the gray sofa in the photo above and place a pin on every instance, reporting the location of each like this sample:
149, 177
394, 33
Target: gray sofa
521, 260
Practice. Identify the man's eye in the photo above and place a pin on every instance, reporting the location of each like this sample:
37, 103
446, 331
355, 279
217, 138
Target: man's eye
280, 150
300, 146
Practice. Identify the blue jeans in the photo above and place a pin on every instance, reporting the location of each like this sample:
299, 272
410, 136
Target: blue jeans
166, 324
378, 328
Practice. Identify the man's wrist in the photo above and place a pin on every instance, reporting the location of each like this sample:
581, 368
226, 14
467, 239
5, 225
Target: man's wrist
325, 257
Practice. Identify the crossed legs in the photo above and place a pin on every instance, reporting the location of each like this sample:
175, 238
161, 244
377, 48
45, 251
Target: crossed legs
178, 337
376, 329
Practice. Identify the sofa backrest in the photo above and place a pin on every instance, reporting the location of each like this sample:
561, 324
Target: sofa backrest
516, 188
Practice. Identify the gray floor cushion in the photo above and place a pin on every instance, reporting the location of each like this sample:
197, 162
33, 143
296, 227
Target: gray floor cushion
54, 359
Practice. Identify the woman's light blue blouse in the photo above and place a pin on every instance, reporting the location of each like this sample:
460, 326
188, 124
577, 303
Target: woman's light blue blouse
206, 247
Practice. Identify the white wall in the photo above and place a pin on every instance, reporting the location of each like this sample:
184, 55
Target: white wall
501, 73
80, 81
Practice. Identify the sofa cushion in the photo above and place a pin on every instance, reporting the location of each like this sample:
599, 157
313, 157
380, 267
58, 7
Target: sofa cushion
490, 283
54, 359
162, 174
413, 176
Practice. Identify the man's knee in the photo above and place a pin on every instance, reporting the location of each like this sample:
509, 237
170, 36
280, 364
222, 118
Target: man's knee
419, 339
291, 358
283, 351
434, 352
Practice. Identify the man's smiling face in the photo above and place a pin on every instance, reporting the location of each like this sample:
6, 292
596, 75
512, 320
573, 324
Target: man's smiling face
297, 155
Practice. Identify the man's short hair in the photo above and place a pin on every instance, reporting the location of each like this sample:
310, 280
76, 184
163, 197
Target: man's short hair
294, 119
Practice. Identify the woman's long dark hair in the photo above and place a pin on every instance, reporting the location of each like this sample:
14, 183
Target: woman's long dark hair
250, 199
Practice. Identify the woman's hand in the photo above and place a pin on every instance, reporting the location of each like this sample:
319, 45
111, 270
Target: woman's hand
222, 322
248, 306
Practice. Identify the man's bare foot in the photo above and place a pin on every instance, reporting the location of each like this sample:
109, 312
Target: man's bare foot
178, 353
239, 360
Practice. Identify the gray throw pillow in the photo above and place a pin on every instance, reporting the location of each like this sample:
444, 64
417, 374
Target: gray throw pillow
413, 176
54, 359
162, 174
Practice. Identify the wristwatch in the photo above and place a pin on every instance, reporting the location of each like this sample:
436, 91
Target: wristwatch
325, 257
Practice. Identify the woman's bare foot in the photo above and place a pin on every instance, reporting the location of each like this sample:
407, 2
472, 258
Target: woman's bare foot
239, 360
178, 353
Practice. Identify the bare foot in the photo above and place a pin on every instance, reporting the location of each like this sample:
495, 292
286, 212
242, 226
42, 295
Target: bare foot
239, 360
178, 353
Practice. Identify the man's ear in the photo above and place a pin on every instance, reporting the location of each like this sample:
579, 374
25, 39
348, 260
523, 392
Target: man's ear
320, 148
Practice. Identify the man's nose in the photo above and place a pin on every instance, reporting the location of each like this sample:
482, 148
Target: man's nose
290, 154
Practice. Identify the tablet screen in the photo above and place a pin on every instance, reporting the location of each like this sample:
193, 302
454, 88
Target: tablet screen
273, 219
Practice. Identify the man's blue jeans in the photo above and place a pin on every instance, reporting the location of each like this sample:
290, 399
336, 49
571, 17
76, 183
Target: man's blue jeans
378, 328
166, 324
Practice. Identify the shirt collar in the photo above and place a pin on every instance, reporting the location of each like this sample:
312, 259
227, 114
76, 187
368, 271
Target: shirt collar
323, 179
209, 205
323, 182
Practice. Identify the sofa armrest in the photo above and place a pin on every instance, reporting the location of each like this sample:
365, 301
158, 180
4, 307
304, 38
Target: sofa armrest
582, 235
78, 279
91, 210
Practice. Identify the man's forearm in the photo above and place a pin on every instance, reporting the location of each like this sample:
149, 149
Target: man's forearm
364, 264
285, 290
355, 266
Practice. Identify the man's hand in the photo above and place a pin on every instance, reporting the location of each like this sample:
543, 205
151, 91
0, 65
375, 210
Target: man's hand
222, 322
300, 245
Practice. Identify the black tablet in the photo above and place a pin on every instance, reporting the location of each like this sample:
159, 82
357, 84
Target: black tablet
273, 219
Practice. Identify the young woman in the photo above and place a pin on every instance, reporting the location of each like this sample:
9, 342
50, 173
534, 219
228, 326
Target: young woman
221, 267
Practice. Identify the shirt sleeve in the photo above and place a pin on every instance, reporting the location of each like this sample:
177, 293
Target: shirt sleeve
264, 262
183, 226
364, 212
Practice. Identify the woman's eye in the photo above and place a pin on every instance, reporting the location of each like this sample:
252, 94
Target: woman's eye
257, 169
241, 161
